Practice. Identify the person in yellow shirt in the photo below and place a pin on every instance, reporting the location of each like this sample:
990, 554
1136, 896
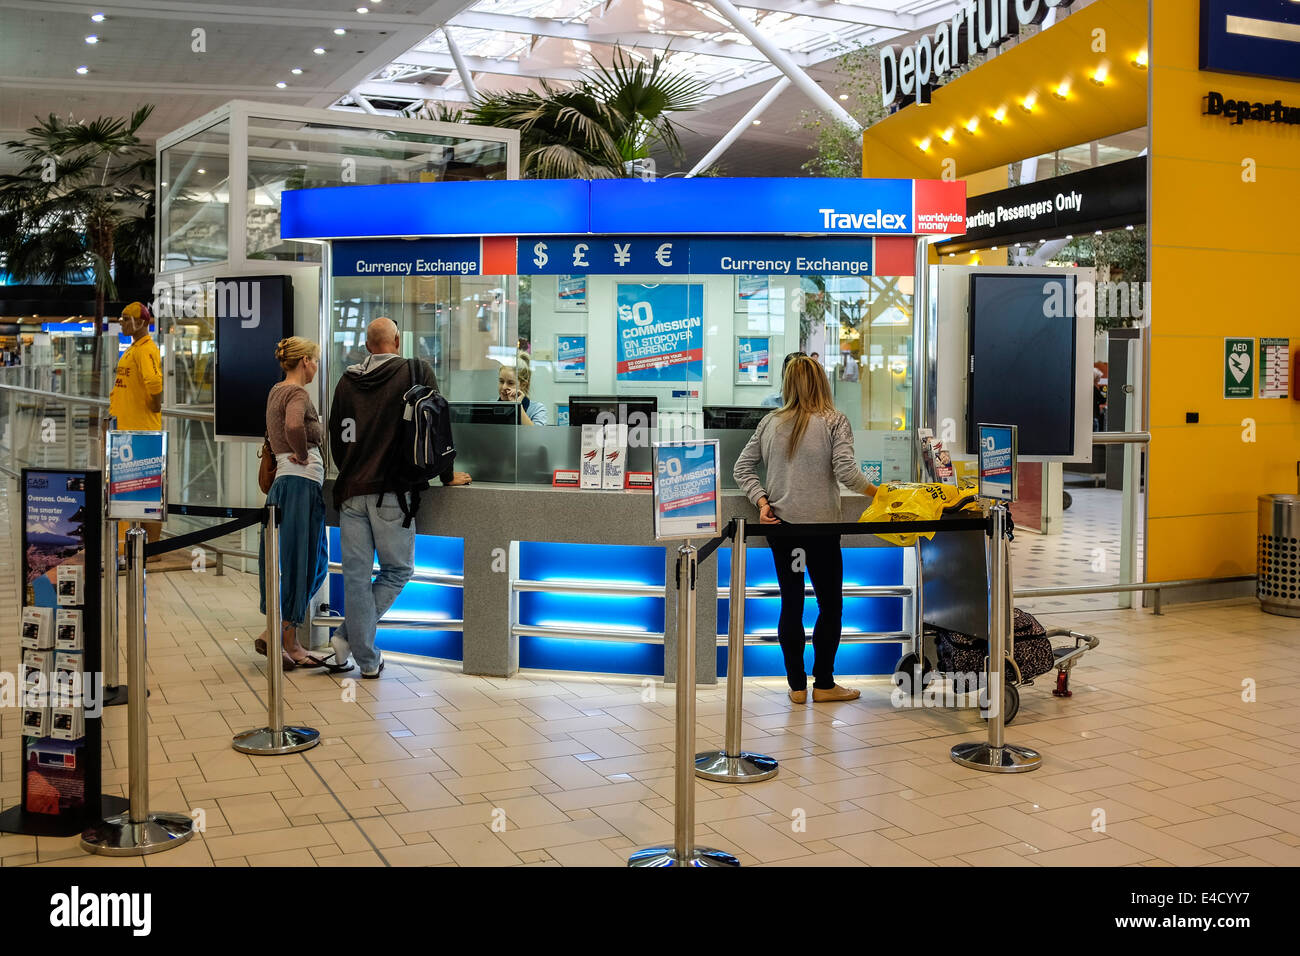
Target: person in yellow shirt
136, 399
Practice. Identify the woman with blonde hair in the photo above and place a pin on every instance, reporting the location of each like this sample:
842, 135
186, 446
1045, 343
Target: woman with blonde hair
512, 386
294, 431
807, 447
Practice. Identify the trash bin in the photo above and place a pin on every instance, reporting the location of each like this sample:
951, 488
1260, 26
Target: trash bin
1278, 582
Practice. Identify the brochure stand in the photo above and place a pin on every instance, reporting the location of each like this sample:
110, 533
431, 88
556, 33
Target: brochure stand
61, 687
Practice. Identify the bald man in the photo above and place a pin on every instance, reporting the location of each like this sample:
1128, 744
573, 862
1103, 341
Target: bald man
364, 427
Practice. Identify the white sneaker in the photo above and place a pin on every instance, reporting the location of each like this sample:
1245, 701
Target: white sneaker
341, 650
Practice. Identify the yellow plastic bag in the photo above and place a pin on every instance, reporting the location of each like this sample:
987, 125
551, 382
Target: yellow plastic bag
909, 501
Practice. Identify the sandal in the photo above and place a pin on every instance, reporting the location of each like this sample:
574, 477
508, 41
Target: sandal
308, 662
333, 668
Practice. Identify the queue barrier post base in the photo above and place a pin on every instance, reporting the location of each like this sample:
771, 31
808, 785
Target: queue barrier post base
268, 742
121, 836
116, 696
744, 767
1005, 759
667, 856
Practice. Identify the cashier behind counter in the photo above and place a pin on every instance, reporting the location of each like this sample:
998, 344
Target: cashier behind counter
512, 386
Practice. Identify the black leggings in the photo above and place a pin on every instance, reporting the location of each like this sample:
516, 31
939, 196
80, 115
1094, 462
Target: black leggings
825, 564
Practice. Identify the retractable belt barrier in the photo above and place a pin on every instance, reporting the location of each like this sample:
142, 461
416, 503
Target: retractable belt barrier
246, 518
733, 764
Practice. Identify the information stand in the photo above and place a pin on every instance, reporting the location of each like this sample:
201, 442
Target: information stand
997, 480
686, 505
60, 686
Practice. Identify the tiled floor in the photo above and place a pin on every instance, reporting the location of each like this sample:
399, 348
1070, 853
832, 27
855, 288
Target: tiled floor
1156, 760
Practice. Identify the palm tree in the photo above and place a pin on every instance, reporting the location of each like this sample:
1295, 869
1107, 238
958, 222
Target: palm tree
83, 200
598, 127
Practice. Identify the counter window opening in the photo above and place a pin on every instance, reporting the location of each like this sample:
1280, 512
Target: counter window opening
703, 351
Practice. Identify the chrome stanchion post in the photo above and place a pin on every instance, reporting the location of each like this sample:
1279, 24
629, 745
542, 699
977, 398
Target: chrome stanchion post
996, 755
275, 737
731, 764
684, 852
114, 693
137, 832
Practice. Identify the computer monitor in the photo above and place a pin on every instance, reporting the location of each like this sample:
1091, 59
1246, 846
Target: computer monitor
484, 413
741, 417
635, 411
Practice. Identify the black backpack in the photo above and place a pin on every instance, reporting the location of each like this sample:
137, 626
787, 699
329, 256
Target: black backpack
425, 448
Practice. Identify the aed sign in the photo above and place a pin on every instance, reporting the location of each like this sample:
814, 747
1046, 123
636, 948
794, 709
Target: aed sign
977, 27
1238, 368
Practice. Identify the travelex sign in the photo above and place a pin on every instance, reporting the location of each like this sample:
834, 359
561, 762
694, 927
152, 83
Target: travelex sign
627, 207
976, 27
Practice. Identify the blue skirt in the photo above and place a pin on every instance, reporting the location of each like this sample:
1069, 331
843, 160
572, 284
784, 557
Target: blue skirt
304, 557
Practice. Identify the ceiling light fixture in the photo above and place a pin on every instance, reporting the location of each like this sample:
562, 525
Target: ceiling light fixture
92, 39
339, 31
83, 70
319, 51
1100, 74
1062, 90
972, 125
363, 9
844, 96
758, 122
296, 71
281, 85
1029, 102
202, 172
98, 17
946, 135
924, 145
1140, 59
1000, 114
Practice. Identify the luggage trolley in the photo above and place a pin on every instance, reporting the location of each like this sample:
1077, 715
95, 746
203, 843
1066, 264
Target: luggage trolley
952, 594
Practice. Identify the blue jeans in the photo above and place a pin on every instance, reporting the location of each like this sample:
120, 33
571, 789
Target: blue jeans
365, 530
304, 556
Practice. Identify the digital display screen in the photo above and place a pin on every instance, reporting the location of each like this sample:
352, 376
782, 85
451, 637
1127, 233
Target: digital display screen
1022, 360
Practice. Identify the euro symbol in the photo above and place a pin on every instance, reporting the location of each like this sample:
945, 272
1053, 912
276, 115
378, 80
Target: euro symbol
665, 254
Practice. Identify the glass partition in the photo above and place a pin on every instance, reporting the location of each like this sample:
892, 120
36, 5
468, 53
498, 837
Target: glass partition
290, 154
558, 340
194, 180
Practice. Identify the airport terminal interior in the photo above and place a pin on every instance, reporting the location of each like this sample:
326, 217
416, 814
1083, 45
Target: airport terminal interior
977, 312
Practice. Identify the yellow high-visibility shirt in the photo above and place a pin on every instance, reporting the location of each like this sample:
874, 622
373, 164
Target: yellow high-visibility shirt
139, 378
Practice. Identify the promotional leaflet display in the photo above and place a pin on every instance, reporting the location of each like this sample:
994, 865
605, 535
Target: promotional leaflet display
660, 333
60, 690
571, 293
753, 360
570, 358
997, 462
686, 484
137, 476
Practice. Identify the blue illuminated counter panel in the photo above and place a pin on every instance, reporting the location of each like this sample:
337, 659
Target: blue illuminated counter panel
541, 578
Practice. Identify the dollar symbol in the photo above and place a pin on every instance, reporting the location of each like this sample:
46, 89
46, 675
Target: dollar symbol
540, 258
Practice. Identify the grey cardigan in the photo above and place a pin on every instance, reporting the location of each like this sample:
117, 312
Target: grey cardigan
804, 488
